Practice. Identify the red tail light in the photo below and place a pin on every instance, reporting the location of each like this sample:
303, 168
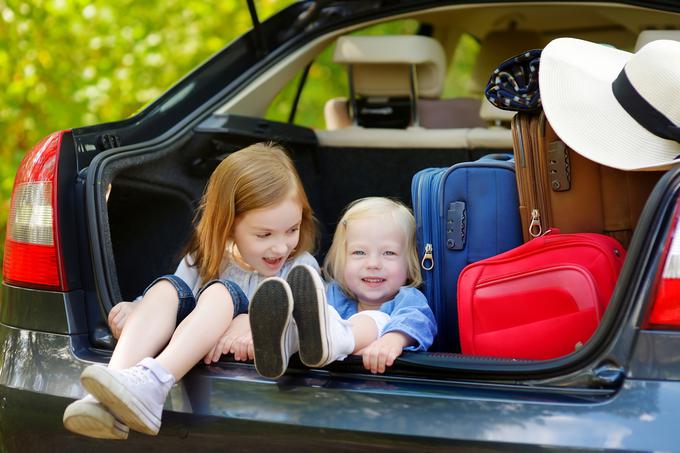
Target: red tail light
665, 312
32, 254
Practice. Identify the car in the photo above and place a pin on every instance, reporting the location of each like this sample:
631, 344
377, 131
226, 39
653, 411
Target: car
97, 212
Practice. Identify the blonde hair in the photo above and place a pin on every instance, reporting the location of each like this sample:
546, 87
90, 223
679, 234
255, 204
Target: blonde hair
334, 264
256, 177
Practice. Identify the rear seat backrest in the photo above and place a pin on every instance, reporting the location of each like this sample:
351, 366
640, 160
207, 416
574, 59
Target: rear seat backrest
434, 113
493, 116
336, 114
446, 123
450, 113
380, 68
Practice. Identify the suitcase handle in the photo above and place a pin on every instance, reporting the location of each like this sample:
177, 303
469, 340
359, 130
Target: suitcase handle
504, 157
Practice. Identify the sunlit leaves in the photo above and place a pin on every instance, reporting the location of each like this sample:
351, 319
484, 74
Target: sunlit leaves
70, 63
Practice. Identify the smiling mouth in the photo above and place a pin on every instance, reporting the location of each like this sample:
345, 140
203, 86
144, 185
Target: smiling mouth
273, 262
372, 281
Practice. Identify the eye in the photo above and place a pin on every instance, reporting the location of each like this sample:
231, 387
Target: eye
295, 229
358, 253
390, 253
263, 235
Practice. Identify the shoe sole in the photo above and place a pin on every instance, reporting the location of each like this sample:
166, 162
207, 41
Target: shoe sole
269, 313
93, 420
118, 399
310, 315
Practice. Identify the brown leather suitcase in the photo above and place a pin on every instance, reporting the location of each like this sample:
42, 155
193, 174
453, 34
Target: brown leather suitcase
559, 188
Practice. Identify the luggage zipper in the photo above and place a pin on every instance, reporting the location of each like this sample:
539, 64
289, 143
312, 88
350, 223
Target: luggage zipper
436, 234
427, 262
429, 232
542, 182
535, 229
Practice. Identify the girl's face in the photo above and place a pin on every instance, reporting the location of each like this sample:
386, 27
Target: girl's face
266, 237
376, 263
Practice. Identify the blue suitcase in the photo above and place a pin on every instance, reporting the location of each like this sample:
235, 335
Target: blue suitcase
464, 213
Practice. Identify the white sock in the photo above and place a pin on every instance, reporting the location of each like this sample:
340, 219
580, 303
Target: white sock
341, 337
379, 318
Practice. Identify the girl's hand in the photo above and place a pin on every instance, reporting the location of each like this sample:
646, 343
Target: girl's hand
236, 340
383, 351
118, 315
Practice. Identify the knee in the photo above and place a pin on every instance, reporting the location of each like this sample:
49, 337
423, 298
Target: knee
216, 291
161, 290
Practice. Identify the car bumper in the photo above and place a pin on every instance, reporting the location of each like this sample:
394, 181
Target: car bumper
228, 404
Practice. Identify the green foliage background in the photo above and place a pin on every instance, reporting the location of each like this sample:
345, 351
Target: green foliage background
70, 63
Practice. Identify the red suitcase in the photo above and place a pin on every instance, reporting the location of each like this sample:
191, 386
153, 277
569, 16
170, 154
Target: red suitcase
541, 300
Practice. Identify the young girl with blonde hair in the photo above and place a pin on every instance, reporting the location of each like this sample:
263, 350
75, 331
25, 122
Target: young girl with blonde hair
255, 222
373, 309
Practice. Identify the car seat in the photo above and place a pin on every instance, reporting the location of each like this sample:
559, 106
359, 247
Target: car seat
396, 82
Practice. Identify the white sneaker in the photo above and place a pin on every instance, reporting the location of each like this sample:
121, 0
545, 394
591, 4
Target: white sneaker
89, 417
135, 395
274, 339
324, 336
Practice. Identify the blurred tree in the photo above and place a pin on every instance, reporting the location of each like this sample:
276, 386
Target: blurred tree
70, 63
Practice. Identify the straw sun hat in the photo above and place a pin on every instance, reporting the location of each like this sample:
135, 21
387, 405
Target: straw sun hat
617, 108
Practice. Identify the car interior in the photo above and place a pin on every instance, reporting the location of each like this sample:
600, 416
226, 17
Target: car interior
392, 122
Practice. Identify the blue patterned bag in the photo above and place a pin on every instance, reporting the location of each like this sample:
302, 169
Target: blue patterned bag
514, 84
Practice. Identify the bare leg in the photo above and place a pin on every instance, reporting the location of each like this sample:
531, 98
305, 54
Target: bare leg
149, 328
199, 331
365, 331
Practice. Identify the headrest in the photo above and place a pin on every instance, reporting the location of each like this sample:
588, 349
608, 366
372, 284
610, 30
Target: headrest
381, 64
498, 46
647, 36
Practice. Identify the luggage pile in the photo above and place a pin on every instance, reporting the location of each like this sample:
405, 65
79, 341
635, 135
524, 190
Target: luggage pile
521, 252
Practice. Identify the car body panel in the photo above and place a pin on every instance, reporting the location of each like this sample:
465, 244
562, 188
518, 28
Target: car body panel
373, 409
656, 356
44, 311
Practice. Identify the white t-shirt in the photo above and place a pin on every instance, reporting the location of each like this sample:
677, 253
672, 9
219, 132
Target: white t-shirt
248, 281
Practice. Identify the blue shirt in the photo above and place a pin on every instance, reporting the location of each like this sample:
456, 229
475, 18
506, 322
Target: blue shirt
409, 314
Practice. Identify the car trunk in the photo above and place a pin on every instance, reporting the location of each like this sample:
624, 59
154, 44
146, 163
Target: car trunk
155, 191
153, 197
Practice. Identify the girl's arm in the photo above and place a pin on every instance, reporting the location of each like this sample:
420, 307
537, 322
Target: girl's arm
118, 315
412, 316
411, 326
383, 351
237, 340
